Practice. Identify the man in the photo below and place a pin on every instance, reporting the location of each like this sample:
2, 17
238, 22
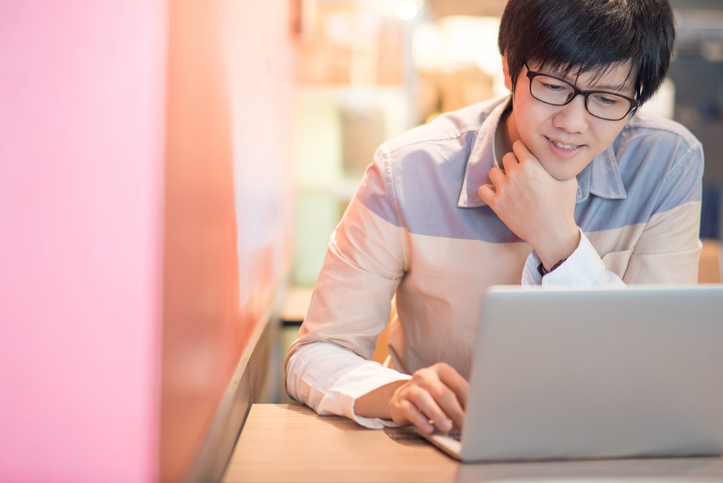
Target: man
561, 183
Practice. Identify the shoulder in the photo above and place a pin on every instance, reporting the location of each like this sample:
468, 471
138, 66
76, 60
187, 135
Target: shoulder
650, 135
660, 163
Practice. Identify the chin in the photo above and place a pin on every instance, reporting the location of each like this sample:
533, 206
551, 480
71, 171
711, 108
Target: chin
563, 178
560, 174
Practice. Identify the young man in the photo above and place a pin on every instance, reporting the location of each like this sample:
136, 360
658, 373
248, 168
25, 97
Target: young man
561, 183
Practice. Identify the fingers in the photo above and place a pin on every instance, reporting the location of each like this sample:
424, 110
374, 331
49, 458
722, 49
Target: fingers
435, 396
428, 406
497, 176
487, 192
510, 161
414, 415
521, 151
415, 403
524, 156
453, 400
458, 384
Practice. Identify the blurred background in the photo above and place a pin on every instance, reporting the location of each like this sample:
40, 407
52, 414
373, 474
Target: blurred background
170, 174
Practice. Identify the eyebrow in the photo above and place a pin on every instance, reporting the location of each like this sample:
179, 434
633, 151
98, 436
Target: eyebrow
607, 87
620, 87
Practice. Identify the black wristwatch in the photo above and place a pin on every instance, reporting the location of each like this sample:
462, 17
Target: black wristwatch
543, 271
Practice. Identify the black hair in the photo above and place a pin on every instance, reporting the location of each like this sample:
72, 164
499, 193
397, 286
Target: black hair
591, 36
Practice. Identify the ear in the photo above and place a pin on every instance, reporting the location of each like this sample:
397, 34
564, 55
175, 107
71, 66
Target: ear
506, 70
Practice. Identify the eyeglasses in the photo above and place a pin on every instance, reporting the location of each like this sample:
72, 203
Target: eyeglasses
557, 92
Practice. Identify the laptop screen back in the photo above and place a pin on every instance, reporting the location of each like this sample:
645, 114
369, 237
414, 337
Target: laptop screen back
597, 373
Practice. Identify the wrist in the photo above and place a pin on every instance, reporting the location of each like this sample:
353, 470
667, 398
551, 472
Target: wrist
375, 404
554, 252
543, 271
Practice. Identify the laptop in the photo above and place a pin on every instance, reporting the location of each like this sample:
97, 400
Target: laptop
594, 373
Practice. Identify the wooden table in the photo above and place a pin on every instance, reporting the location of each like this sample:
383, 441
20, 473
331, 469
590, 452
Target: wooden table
292, 443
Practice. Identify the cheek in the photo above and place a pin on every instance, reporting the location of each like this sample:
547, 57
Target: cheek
532, 127
533, 119
528, 122
606, 134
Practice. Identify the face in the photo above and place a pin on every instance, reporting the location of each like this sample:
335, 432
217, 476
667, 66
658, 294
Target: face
565, 139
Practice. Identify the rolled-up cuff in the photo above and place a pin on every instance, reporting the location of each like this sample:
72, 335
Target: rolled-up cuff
583, 267
343, 394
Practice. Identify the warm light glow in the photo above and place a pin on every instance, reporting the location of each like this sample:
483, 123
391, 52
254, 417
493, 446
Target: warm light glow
407, 10
456, 43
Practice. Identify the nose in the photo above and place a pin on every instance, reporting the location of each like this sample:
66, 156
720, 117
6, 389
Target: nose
572, 117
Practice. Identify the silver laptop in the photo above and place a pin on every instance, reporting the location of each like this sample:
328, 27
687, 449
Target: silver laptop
595, 373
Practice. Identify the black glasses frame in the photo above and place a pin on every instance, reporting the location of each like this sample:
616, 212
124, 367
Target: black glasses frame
634, 103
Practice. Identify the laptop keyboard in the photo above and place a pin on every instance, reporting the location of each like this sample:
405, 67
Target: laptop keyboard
454, 435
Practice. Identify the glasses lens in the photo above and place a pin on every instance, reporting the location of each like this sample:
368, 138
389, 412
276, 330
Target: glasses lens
607, 105
550, 90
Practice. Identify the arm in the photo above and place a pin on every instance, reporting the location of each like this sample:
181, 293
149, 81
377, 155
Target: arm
666, 251
329, 365
434, 396
669, 247
541, 210
535, 206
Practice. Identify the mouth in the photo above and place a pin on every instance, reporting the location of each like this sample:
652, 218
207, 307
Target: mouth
562, 149
566, 147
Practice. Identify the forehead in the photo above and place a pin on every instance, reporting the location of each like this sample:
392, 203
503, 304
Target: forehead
616, 77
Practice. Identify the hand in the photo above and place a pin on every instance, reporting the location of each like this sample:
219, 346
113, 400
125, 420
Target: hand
436, 393
535, 206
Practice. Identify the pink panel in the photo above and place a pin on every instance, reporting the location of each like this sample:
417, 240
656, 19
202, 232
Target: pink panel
261, 53
228, 203
81, 156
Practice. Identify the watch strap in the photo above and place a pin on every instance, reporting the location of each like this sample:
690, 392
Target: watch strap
543, 271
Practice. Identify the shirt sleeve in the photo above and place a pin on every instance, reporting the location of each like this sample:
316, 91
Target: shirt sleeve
329, 365
329, 379
669, 248
584, 268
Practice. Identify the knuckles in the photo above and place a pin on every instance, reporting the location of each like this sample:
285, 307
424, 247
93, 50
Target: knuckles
431, 373
510, 158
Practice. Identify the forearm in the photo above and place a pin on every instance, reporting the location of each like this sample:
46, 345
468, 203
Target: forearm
330, 379
375, 404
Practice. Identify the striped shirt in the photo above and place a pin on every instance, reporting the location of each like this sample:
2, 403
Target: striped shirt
416, 230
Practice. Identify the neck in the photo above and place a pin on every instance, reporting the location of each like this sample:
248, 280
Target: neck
506, 135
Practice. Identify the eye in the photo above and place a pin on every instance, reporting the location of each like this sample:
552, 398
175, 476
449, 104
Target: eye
553, 87
607, 99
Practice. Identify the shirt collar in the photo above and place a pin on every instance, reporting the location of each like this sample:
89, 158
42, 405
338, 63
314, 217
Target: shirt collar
601, 177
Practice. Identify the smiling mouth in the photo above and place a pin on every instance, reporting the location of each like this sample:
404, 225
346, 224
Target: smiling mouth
567, 147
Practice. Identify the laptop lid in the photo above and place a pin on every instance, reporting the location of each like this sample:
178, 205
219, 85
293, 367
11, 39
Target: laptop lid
596, 373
